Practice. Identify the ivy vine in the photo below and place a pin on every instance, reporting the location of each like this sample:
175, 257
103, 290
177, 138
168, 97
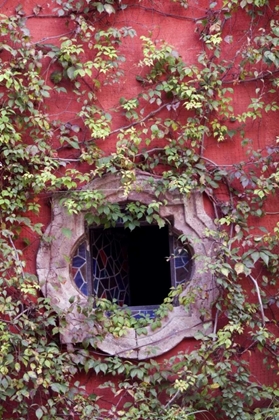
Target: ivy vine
177, 111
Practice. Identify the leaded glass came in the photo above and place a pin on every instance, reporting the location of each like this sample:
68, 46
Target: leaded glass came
110, 269
79, 268
134, 268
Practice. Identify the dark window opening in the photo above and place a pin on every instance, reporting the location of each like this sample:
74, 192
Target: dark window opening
150, 275
135, 268
131, 266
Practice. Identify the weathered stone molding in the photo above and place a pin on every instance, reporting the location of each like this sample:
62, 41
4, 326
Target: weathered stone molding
54, 269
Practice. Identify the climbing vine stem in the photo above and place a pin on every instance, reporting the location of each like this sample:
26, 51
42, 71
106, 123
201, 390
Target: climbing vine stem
178, 113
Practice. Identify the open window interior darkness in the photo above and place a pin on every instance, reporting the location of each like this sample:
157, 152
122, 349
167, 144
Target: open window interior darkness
136, 268
131, 266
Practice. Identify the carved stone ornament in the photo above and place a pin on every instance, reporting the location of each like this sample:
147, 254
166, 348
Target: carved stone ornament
54, 270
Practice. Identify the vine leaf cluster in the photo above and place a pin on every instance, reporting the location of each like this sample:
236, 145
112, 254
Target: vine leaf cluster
180, 109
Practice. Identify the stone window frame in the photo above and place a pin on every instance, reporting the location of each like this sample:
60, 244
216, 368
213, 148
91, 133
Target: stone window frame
54, 269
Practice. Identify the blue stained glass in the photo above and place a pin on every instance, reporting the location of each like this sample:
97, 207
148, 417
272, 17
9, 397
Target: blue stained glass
182, 264
181, 258
79, 268
144, 312
78, 261
83, 289
82, 250
79, 280
95, 269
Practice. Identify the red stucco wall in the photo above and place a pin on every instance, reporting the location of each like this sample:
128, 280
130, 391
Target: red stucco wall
180, 33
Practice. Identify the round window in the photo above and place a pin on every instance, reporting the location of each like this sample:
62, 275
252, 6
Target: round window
134, 268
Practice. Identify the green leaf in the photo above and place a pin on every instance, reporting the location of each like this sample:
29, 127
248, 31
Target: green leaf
137, 373
17, 367
255, 256
72, 299
225, 271
100, 7
58, 387
67, 232
71, 72
109, 9
239, 268
39, 413
264, 257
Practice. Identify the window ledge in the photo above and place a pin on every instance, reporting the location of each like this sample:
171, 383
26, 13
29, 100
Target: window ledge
175, 327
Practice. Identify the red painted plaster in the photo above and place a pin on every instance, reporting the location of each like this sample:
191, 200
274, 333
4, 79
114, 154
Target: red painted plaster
180, 34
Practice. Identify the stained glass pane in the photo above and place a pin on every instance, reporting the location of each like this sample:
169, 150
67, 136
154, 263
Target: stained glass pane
110, 266
79, 268
141, 312
182, 264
